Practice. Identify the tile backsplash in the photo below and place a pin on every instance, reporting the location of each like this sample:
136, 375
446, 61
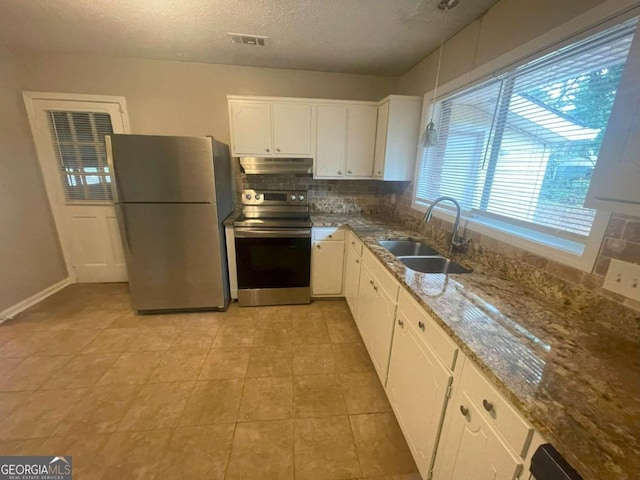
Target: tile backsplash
331, 196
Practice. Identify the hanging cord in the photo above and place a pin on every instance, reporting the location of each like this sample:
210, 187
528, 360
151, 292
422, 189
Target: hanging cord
435, 90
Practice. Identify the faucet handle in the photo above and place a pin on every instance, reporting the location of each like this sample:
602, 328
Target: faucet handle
460, 245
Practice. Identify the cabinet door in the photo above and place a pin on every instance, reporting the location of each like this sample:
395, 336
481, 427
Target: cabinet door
361, 138
376, 312
327, 268
352, 280
616, 178
331, 140
251, 127
291, 129
472, 449
417, 388
381, 140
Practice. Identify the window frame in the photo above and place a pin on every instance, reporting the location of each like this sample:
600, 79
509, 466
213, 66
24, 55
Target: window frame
549, 246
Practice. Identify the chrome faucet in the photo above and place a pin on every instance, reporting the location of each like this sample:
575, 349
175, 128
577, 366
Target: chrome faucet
457, 244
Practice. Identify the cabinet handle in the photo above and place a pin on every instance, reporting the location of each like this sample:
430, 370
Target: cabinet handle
401, 323
339, 172
464, 410
379, 172
330, 236
353, 243
349, 172
371, 282
375, 289
267, 150
357, 261
277, 149
421, 325
488, 406
318, 246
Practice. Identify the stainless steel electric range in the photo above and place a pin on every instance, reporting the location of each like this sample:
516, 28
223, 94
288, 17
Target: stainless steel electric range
273, 248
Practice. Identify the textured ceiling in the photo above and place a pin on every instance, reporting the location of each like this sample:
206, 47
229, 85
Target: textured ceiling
384, 37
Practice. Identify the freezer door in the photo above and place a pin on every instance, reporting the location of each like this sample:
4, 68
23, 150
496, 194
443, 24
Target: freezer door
173, 256
151, 169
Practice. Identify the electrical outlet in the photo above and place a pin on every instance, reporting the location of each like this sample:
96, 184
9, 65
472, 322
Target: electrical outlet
623, 278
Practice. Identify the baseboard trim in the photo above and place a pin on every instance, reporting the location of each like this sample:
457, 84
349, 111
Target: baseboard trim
11, 312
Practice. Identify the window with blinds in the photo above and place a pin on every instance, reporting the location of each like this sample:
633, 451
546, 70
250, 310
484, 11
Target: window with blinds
78, 142
518, 151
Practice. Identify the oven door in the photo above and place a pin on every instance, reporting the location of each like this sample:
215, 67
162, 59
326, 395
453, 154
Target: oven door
273, 265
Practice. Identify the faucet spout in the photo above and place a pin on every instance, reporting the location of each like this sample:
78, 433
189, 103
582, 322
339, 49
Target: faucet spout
456, 243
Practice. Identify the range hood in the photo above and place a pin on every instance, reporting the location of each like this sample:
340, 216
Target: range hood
271, 165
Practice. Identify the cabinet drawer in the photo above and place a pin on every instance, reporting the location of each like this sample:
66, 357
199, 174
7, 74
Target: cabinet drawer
355, 243
514, 429
328, 233
426, 328
381, 276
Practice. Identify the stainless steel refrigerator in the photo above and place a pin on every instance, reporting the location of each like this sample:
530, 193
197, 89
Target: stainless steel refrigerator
171, 196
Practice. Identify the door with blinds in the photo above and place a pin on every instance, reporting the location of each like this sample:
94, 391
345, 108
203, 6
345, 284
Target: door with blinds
69, 137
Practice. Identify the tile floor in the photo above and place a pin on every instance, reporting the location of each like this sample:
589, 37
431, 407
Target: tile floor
252, 393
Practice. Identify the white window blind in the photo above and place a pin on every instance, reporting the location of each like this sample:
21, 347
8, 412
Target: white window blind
519, 149
78, 142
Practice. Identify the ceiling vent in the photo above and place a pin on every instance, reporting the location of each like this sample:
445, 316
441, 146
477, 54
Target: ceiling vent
243, 38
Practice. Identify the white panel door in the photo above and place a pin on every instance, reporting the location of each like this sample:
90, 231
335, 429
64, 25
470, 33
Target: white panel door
251, 128
327, 268
361, 139
292, 129
417, 388
69, 137
331, 141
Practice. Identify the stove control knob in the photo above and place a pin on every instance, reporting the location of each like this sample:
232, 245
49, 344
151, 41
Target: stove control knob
248, 196
257, 197
301, 197
293, 197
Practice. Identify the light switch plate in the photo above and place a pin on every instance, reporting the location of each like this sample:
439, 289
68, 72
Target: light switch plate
623, 278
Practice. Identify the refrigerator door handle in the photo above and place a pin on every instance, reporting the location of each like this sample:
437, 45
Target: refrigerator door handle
124, 227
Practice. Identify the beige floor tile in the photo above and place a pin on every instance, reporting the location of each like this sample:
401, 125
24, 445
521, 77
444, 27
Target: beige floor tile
324, 449
212, 402
197, 452
23, 343
152, 339
84, 449
272, 315
310, 330
179, 366
133, 455
343, 332
225, 363
270, 361
273, 334
9, 401
132, 368
336, 311
318, 396
8, 364
351, 358
32, 372
111, 340
28, 447
99, 411
313, 359
40, 414
69, 342
133, 320
158, 405
91, 319
231, 335
81, 371
381, 446
363, 393
195, 337
262, 450
267, 398
408, 476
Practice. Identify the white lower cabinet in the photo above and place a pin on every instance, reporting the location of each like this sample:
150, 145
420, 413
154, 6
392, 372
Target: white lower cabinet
377, 297
327, 262
352, 268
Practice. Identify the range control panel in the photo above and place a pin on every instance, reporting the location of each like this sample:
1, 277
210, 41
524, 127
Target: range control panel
274, 197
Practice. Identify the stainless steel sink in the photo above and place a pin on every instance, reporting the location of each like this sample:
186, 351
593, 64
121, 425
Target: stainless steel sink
432, 264
401, 248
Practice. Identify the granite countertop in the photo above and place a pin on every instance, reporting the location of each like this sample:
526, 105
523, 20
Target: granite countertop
575, 381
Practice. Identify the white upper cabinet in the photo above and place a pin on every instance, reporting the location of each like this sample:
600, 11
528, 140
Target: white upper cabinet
615, 185
397, 138
291, 129
251, 128
270, 129
331, 141
361, 138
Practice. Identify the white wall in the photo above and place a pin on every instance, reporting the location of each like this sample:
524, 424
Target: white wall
30, 255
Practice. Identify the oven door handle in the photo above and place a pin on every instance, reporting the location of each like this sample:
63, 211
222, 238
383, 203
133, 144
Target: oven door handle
272, 233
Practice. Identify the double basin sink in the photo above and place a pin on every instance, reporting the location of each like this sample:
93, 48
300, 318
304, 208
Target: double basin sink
421, 258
